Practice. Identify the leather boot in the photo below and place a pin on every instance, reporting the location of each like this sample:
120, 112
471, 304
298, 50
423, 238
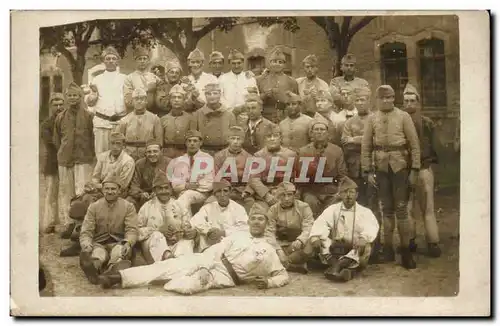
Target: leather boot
413, 245
108, 281
433, 250
88, 267
375, 256
298, 268
339, 271
389, 254
407, 258
66, 234
116, 267
71, 251
75, 235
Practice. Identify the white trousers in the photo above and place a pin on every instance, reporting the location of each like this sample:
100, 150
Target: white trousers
101, 140
71, 183
50, 215
156, 245
190, 197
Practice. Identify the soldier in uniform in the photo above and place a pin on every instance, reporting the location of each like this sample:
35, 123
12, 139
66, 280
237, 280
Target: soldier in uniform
141, 78
224, 160
348, 110
423, 196
273, 87
320, 175
213, 120
325, 114
197, 77
216, 63
140, 126
311, 84
176, 123
257, 124
264, 186
348, 68
290, 222
390, 159
295, 127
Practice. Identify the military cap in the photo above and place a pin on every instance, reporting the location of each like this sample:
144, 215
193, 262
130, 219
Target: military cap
196, 54
252, 97
109, 50
78, 209
160, 179
177, 89
349, 58
172, 65
292, 97
277, 55
141, 51
114, 136
347, 184
219, 185
410, 89
73, 87
236, 131
258, 210
111, 178
139, 92
346, 87
311, 60
272, 129
234, 55
215, 55
212, 87
385, 90
287, 186
316, 122
56, 96
324, 95
193, 133
363, 91
152, 142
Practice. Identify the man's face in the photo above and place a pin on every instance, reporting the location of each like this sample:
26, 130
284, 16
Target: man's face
273, 140
287, 198
177, 100
163, 193
140, 103
293, 109
323, 105
346, 96
362, 104
254, 110
173, 75
216, 65
73, 98
311, 70
349, 197
237, 66
235, 143
213, 97
410, 103
320, 132
386, 103
277, 66
110, 62
348, 68
56, 106
142, 62
153, 153
116, 147
111, 191
193, 144
222, 196
195, 66
257, 224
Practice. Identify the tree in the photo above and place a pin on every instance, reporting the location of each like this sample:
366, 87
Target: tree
340, 33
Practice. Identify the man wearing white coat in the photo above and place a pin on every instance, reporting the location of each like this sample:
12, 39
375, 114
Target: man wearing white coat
242, 258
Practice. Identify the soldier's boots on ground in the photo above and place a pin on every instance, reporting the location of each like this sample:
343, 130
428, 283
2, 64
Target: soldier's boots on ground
339, 271
66, 234
407, 260
109, 280
388, 253
71, 251
88, 265
434, 250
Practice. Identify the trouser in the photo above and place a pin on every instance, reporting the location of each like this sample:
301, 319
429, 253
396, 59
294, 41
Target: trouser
101, 140
318, 202
155, 246
104, 255
394, 192
359, 259
136, 152
190, 197
423, 199
71, 183
50, 215
173, 151
186, 274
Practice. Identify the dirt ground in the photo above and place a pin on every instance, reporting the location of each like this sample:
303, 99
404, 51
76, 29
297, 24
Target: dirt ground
433, 277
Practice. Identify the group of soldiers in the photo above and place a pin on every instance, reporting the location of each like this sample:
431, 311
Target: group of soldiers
124, 155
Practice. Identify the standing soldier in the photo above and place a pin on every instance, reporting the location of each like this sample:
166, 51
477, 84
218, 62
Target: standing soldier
141, 78
348, 68
176, 123
273, 87
216, 63
106, 101
326, 161
198, 78
74, 141
311, 84
257, 124
140, 126
423, 197
213, 120
390, 148
295, 127
348, 108
235, 83
50, 216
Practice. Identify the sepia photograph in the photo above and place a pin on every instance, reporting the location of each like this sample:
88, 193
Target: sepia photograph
250, 155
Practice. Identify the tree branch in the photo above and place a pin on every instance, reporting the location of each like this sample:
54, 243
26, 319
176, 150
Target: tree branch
345, 26
320, 21
87, 37
359, 25
66, 53
205, 29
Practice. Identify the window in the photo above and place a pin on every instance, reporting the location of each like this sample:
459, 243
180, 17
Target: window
256, 64
58, 84
395, 68
44, 97
288, 64
432, 72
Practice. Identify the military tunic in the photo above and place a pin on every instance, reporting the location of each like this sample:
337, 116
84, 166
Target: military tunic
214, 127
144, 175
175, 125
274, 105
295, 133
255, 135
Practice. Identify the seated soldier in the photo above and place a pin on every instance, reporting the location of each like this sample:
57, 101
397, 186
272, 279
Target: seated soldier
219, 219
109, 231
164, 228
290, 221
141, 187
343, 234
